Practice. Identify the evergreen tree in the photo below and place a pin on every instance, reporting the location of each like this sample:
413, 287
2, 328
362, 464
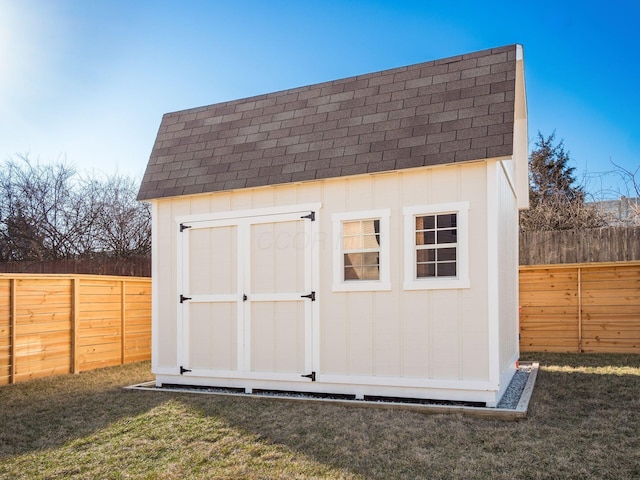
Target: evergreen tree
550, 173
555, 201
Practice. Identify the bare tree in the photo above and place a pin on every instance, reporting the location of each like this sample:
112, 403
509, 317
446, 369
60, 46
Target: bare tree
630, 198
124, 225
38, 210
616, 194
49, 211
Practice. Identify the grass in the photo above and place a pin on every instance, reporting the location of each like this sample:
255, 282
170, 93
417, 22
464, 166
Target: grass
584, 423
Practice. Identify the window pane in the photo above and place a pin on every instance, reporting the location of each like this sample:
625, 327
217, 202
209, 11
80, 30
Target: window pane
370, 241
426, 270
425, 238
351, 273
370, 273
351, 228
370, 258
426, 255
368, 227
426, 222
447, 236
446, 221
446, 254
352, 243
446, 269
352, 259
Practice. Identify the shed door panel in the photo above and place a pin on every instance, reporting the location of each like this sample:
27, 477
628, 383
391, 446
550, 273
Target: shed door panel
213, 260
277, 257
278, 316
277, 337
212, 336
212, 285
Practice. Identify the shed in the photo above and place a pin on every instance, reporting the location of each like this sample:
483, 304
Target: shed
358, 236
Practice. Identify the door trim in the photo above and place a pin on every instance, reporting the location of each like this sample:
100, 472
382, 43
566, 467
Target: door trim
255, 212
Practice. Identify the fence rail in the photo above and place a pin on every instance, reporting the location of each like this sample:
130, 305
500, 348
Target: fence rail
591, 307
54, 324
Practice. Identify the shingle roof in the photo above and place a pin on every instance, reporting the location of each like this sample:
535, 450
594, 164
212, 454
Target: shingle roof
456, 109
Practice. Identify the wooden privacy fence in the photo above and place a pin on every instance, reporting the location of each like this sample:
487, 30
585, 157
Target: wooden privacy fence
580, 307
54, 324
608, 244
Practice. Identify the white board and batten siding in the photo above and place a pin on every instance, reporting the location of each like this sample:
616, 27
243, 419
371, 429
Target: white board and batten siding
248, 324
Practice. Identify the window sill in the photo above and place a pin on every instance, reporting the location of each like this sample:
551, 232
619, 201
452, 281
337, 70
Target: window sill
437, 284
361, 286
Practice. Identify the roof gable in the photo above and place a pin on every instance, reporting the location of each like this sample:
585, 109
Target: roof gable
456, 109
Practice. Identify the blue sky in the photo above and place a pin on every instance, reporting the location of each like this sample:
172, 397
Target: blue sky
88, 80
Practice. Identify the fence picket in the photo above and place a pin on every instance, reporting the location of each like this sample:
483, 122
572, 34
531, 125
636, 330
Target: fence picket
56, 324
595, 316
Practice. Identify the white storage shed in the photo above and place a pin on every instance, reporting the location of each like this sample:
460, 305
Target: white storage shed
354, 237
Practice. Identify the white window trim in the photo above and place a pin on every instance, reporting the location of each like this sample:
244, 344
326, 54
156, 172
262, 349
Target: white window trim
384, 282
461, 280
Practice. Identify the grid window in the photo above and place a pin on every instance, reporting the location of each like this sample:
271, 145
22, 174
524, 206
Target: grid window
361, 249
436, 245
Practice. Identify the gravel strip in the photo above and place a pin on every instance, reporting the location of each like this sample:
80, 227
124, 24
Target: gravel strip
514, 391
509, 401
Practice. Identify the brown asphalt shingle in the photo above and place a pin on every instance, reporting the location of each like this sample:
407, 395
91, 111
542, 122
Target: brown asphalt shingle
456, 109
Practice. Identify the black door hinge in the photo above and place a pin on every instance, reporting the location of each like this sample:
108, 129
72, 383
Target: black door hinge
183, 298
312, 376
183, 370
183, 227
311, 216
312, 296
244, 297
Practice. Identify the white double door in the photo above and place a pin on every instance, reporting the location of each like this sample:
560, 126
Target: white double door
247, 297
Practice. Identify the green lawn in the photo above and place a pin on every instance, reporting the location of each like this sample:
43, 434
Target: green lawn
584, 423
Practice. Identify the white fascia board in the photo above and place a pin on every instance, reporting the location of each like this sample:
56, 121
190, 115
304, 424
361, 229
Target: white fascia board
520, 134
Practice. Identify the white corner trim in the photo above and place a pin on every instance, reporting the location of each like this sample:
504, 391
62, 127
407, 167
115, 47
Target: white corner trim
155, 287
493, 258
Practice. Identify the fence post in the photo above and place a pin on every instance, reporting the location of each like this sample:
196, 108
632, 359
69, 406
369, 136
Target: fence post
579, 309
12, 330
123, 308
75, 324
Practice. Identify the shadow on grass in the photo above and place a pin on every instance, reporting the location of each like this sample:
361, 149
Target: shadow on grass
580, 426
46, 413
